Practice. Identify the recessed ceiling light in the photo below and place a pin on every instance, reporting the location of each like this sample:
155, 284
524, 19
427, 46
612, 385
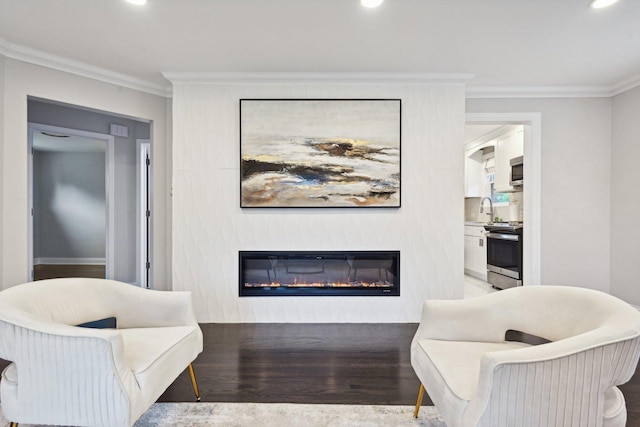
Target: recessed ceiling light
598, 4
371, 3
138, 2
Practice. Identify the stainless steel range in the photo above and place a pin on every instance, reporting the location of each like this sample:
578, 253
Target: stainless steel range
504, 254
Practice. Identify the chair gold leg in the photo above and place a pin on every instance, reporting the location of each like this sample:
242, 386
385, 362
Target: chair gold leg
419, 402
193, 382
12, 424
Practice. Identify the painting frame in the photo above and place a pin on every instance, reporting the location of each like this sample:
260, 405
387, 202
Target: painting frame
320, 152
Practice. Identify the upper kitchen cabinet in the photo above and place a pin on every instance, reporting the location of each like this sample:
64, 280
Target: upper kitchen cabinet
488, 159
508, 146
474, 174
478, 163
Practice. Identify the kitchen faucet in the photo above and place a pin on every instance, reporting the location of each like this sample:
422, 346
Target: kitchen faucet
490, 213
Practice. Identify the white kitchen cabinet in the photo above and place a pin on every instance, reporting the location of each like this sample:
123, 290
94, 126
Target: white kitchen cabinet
475, 252
474, 174
508, 146
468, 253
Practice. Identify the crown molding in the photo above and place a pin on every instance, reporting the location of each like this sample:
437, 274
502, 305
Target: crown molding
36, 57
355, 78
602, 91
539, 92
33, 56
625, 85
4, 47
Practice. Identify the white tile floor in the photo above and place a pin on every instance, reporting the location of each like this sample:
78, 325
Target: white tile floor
474, 287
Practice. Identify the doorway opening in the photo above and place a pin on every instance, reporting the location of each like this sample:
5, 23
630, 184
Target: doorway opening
124, 188
71, 203
489, 125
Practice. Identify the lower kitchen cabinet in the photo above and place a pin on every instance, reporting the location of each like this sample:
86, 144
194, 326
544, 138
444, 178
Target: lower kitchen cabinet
475, 252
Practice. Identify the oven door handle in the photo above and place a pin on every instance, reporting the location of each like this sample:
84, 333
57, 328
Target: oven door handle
502, 236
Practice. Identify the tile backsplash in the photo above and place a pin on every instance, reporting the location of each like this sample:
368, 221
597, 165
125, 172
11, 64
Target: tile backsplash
472, 210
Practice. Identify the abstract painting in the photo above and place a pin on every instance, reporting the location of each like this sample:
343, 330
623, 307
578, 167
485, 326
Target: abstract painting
306, 153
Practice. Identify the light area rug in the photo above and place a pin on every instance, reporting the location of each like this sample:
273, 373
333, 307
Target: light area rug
206, 414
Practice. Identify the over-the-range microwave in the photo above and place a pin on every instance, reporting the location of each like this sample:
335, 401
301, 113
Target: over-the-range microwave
517, 171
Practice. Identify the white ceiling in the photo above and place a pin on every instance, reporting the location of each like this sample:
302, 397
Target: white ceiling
474, 132
512, 43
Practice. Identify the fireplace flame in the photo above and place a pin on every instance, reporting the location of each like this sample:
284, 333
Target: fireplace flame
303, 284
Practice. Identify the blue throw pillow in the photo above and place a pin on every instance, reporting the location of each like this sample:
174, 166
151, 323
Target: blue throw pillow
519, 336
106, 323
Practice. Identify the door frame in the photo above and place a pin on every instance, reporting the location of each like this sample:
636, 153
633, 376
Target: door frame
109, 191
144, 204
531, 195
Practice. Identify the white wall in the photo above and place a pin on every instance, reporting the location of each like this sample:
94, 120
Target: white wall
23, 80
209, 227
2, 139
69, 205
165, 244
625, 197
575, 186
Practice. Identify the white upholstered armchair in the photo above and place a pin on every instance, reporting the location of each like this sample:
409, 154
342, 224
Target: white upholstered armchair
67, 375
477, 378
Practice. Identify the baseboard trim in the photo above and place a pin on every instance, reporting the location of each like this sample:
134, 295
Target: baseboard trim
70, 261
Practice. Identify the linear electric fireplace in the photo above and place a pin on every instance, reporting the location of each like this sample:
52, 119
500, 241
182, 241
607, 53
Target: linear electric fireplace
316, 273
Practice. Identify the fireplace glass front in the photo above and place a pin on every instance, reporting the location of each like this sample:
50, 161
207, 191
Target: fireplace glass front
319, 273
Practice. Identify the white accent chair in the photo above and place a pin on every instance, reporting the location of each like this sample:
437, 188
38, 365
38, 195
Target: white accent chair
67, 375
477, 378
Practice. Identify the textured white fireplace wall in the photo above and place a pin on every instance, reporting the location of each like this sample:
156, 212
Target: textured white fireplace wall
209, 227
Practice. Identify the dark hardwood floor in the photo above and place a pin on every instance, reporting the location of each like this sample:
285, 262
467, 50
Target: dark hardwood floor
315, 363
303, 363
54, 271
